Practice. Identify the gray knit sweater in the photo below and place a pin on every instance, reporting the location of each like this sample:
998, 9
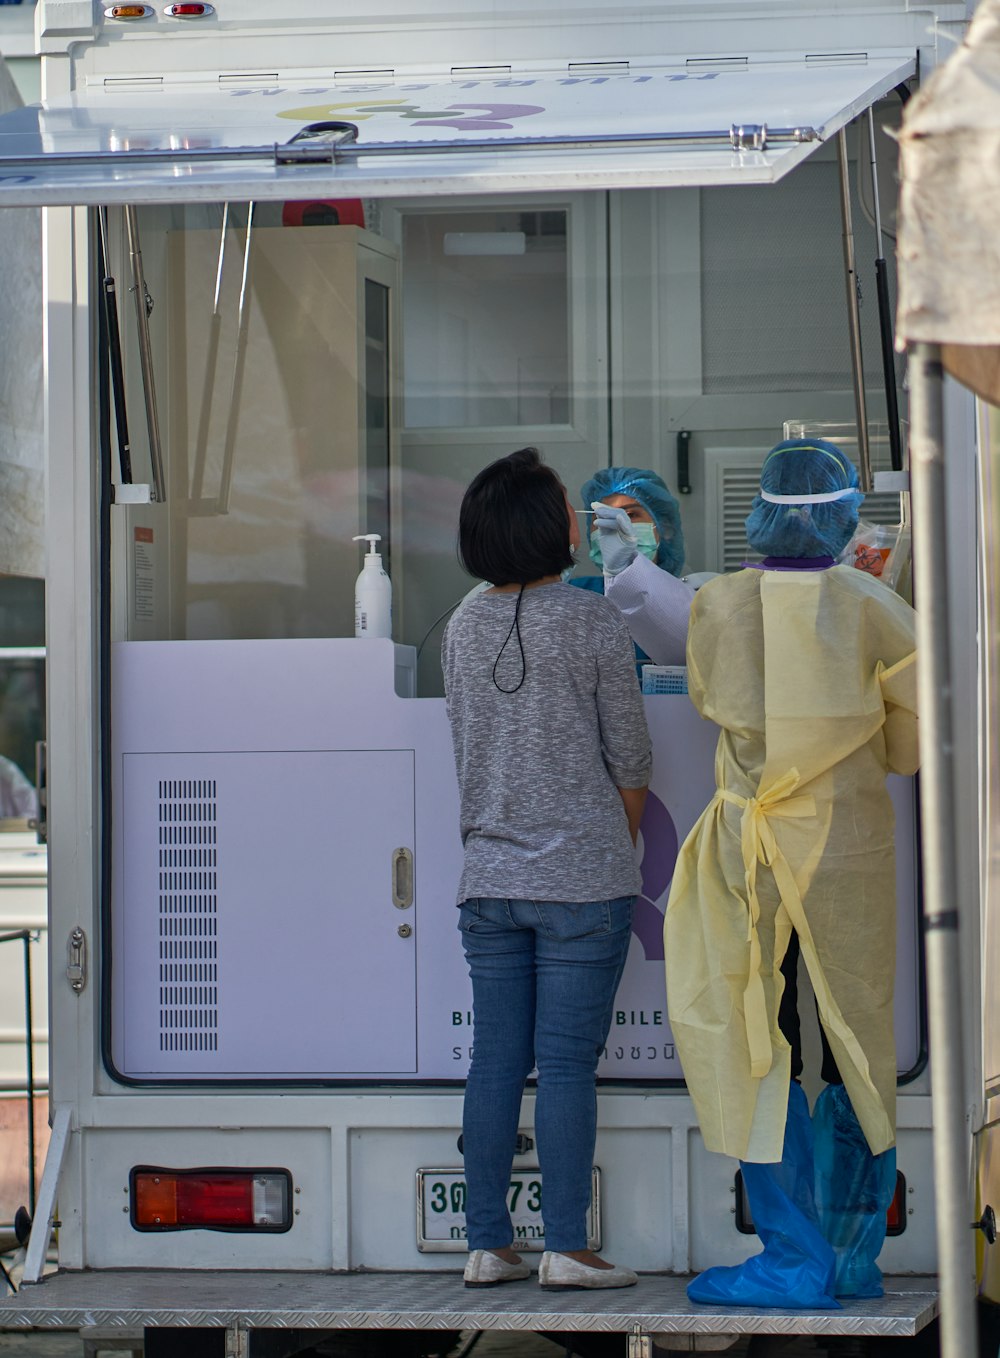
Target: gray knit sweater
539, 769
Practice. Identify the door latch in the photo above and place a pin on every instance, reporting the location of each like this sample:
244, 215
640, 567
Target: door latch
76, 967
987, 1223
402, 879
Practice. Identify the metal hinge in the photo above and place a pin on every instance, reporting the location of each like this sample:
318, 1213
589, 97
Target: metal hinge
379, 74
597, 67
248, 78
717, 63
76, 967
479, 72
237, 1341
640, 1343
132, 81
835, 58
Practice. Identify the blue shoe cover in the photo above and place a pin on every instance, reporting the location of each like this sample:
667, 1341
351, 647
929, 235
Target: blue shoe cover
853, 1192
795, 1270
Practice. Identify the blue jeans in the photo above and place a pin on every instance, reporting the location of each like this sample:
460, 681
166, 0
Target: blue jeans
544, 977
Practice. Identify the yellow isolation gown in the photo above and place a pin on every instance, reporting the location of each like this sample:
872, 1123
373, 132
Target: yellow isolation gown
812, 677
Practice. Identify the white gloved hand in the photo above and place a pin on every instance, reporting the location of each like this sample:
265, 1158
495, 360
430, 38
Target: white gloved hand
618, 540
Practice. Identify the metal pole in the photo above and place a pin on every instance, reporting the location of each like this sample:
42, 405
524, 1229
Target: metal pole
239, 365
208, 388
884, 315
941, 908
26, 938
323, 150
854, 315
31, 1074
112, 336
142, 306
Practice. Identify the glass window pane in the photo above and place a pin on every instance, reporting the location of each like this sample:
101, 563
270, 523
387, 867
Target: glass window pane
22, 693
272, 350
337, 380
376, 429
486, 319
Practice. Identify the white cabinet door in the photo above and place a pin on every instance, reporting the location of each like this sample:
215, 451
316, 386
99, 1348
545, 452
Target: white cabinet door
259, 935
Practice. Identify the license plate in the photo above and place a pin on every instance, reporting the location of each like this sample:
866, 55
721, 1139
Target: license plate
441, 1210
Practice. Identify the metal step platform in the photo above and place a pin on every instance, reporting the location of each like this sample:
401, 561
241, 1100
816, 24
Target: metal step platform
242, 1301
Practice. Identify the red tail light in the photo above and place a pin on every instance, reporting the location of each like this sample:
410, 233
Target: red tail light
895, 1218
188, 11
210, 1199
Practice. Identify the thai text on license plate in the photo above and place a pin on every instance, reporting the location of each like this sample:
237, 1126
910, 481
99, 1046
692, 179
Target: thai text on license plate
441, 1197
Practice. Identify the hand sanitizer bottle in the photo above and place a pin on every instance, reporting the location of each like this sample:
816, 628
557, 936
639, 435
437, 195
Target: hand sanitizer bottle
372, 594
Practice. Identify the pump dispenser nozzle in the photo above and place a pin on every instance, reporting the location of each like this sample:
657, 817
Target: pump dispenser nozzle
371, 539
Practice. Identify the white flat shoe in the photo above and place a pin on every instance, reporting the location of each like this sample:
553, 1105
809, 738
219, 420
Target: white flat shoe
560, 1273
486, 1269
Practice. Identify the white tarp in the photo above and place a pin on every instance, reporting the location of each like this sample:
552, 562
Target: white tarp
169, 137
22, 458
949, 219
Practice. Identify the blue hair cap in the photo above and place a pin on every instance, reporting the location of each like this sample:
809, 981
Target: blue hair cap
651, 492
805, 467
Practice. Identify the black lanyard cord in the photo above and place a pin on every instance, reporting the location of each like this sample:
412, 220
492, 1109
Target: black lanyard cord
515, 625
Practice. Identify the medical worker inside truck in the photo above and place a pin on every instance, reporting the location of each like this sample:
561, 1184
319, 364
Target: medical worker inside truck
819, 707
654, 516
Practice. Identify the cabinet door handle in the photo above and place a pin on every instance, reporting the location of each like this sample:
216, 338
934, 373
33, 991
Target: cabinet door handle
402, 878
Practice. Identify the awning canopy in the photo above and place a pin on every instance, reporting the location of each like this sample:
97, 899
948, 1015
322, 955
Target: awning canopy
948, 246
662, 125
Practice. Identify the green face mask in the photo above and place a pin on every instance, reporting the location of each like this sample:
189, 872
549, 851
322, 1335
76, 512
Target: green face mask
647, 542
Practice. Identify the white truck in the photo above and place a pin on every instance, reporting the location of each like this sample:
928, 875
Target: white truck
307, 270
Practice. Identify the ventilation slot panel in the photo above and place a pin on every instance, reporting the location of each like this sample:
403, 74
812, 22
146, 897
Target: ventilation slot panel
738, 488
188, 915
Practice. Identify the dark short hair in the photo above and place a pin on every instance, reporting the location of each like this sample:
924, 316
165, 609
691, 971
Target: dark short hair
512, 527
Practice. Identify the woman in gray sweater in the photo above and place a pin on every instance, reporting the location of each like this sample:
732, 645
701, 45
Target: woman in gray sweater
553, 760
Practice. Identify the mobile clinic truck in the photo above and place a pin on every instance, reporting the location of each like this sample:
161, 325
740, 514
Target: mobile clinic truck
305, 273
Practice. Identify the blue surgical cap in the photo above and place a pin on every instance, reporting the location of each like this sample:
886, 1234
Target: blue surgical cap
805, 467
651, 492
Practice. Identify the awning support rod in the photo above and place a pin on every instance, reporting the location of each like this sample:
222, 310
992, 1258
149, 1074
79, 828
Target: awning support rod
109, 302
854, 315
746, 137
211, 364
142, 309
885, 314
942, 911
239, 367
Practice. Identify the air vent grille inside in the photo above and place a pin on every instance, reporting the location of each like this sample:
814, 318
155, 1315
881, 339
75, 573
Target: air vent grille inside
188, 904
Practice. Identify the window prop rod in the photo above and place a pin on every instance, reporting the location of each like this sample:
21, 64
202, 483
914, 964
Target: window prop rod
885, 316
239, 366
330, 144
198, 503
143, 308
109, 305
854, 315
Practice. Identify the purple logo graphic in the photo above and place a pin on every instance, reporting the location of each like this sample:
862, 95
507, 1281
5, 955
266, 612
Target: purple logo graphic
494, 119
659, 855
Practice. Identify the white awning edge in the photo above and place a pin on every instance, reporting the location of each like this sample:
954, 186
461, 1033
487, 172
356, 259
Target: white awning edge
69, 152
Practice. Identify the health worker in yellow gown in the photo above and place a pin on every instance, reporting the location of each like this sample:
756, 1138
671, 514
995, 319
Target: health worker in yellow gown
808, 668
